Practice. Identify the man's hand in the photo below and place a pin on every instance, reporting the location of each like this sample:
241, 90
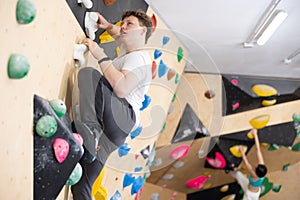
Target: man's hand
103, 23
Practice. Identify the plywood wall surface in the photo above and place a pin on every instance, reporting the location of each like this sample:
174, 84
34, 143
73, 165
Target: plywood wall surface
48, 44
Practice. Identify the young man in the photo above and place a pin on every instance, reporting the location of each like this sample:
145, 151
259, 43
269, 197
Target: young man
252, 185
110, 103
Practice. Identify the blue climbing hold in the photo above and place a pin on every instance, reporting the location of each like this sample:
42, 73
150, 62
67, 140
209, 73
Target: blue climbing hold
138, 169
117, 196
136, 132
146, 102
166, 39
157, 53
137, 185
128, 180
162, 69
123, 150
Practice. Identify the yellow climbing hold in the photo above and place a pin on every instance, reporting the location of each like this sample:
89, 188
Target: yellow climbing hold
235, 150
263, 90
268, 102
264, 144
229, 197
105, 37
98, 191
250, 135
224, 188
259, 121
207, 186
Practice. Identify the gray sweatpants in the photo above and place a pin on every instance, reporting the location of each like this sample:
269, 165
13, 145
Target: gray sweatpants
110, 120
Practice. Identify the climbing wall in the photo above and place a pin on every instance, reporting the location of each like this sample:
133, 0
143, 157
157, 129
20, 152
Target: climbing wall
198, 168
47, 43
126, 169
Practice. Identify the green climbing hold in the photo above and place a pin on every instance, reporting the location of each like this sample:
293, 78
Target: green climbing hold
273, 147
296, 117
174, 97
176, 78
25, 11
276, 188
18, 66
265, 187
46, 126
75, 175
179, 54
286, 167
296, 147
164, 127
59, 107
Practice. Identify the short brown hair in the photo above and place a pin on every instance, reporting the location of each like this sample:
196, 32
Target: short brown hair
143, 18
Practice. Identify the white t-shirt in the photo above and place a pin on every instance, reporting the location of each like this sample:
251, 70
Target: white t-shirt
140, 63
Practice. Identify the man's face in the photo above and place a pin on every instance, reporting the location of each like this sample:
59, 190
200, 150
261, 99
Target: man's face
131, 29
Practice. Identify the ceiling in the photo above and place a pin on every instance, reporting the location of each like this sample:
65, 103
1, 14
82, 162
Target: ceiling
214, 31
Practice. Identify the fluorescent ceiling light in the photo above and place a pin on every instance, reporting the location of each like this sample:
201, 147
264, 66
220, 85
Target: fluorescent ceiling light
278, 18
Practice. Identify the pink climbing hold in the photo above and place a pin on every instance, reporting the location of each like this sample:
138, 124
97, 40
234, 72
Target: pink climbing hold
218, 162
78, 138
61, 149
235, 105
179, 152
198, 182
234, 81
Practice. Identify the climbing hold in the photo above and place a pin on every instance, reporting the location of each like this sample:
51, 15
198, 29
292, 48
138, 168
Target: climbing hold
164, 127
229, 197
136, 132
157, 53
235, 105
165, 40
179, 152
174, 97
276, 188
171, 73
296, 117
128, 180
218, 162
78, 138
207, 186
154, 66
268, 102
265, 187
75, 175
145, 152
198, 182
109, 2
46, 126
235, 150
61, 149
286, 167
25, 11
176, 78
168, 176
18, 66
78, 54
117, 196
209, 94
138, 169
162, 69
87, 3
124, 149
59, 107
178, 164
224, 188
155, 196
263, 90
273, 147
137, 185
296, 147
259, 121
157, 162
250, 135
234, 81
154, 23
146, 102
90, 22
179, 54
